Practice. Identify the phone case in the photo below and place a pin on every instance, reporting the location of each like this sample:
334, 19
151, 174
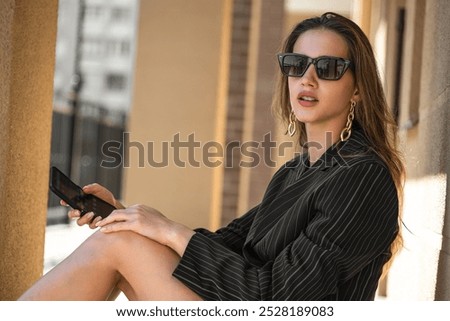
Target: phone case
74, 196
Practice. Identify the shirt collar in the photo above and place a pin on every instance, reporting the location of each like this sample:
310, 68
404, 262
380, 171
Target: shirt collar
337, 153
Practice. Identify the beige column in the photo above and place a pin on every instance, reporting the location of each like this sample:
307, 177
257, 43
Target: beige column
173, 153
361, 14
27, 38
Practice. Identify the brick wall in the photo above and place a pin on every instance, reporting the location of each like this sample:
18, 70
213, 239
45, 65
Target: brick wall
236, 106
256, 35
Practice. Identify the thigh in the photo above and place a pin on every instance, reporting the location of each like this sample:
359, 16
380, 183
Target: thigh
145, 267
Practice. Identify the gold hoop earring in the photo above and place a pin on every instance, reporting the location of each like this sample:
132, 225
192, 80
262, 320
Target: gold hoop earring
347, 131
292, 127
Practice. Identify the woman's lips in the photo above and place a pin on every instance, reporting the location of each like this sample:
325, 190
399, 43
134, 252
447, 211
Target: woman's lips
307, 100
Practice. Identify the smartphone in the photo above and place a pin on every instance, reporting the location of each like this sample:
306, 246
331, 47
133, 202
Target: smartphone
74, 196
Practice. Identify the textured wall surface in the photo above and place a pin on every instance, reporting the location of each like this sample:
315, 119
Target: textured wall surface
176, 92
421, 271
436, 84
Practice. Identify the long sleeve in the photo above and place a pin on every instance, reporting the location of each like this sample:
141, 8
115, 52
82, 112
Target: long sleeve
232, 236
345, 243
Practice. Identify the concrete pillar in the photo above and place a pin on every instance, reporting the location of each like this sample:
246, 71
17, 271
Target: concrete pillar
27, 38
413, 47
434, 136
361, 14
177, 121
421, 271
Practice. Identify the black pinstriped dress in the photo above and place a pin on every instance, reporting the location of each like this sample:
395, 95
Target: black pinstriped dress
320, 233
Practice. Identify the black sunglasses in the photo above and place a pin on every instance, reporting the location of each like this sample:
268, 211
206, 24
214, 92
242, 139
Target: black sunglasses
327, 68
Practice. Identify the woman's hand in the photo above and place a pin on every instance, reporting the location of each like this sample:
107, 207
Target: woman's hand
99, 191
150, 223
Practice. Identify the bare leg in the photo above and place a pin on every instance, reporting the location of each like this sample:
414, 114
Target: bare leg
140, 267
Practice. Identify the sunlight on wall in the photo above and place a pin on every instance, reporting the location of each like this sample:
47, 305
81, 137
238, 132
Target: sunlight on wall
414, 277
380, 46
343, 6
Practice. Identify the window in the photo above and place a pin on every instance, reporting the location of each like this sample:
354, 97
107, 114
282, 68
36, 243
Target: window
120, 14
125, 48
93, 12
115, 82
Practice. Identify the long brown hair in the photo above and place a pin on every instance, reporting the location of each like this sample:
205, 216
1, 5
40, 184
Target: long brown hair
372, 112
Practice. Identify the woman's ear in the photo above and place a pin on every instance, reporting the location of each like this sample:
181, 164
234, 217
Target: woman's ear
356, 96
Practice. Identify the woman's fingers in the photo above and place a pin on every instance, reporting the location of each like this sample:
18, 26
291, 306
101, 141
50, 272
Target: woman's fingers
101, 192
94, 189
85, 219
93, 223
74, 214
97, 190
117, 226
118, 220
141, 219
115, 216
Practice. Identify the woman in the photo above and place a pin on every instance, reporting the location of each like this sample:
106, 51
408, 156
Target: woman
326, 227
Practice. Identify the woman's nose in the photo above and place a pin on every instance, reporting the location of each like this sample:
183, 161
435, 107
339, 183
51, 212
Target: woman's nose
309, 78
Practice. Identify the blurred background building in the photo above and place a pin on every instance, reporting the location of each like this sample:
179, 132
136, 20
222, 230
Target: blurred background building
95, 51
150, 74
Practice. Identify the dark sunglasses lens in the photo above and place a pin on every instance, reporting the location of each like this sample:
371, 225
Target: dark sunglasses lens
330, 68
294, 65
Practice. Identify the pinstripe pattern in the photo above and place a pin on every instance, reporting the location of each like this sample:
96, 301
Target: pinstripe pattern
320, 233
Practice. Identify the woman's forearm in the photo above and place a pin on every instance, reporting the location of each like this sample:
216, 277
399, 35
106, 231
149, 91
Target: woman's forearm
178, 237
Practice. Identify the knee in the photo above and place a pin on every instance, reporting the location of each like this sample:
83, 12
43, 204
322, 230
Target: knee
122, 245
113, 242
